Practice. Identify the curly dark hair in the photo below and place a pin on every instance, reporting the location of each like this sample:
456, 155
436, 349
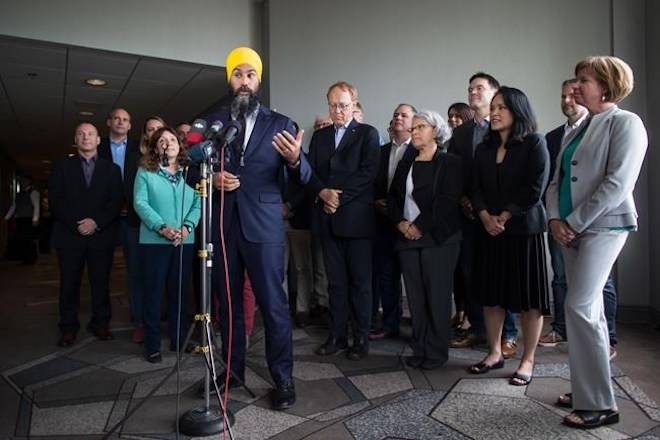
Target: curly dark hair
151, 160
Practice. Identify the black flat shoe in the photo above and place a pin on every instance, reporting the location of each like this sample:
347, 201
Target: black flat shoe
565, 400
357, 351
520, 379
592, 419
483, 367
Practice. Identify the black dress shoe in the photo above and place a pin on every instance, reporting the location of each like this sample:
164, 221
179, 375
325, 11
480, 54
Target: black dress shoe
358, 351
67, 339
332, 346
414, 361
284, 395
432, 364
155, 357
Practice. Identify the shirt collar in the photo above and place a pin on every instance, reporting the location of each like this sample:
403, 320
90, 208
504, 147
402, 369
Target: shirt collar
577, 123
90, 160
345, 126
121, 143
395, 145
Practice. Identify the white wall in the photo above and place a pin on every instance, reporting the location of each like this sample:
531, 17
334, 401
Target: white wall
199, 31
424, 51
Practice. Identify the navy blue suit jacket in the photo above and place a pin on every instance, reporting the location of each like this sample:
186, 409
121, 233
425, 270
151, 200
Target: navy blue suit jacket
351, 168
259, 197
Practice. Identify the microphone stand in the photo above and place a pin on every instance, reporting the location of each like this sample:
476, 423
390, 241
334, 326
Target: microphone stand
208, 419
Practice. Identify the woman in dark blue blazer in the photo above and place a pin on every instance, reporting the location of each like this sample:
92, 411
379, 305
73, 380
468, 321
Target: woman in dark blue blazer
511, 171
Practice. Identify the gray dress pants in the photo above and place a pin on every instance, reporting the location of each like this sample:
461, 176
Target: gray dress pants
588, 263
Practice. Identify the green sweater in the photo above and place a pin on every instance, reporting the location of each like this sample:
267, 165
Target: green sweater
157, 200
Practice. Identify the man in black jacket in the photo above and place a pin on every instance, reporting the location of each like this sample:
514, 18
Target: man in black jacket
85, 196
344, 158
116, 147
387, 270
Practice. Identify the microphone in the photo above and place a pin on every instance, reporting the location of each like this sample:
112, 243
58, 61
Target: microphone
197, 132
201, 151
164, 161
213, 130
229, 133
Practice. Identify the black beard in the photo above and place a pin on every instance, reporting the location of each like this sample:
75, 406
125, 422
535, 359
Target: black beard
241, 104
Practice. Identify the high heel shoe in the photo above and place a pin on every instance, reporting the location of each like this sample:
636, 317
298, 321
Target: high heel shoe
483, 367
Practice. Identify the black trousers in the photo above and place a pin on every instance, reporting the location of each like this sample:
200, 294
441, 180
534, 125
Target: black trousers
428, 273
72, 262
348, 265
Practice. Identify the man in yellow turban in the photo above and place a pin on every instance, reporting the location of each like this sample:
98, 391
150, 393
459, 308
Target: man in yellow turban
266, 144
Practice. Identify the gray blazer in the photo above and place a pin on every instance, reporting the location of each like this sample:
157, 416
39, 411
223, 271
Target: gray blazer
604, 171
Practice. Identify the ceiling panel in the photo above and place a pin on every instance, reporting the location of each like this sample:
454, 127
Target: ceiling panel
27, 89
33, 54
101, 63
165, 71
96, 95
30, 73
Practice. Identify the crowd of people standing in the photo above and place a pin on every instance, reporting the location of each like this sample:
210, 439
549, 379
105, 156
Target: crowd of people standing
457, 206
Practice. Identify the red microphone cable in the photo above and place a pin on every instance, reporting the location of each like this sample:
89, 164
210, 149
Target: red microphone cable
227, 290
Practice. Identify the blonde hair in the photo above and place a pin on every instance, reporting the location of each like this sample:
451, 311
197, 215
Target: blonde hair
614, 74
344, 87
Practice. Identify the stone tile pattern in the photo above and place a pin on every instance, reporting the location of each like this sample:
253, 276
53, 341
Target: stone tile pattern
369, 400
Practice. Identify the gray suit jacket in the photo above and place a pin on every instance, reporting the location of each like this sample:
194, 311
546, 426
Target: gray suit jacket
604, 170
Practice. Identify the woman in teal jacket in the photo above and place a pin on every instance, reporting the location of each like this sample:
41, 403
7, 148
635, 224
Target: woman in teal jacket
169, 210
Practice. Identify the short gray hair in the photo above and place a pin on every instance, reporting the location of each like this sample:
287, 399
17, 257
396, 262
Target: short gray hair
436, 121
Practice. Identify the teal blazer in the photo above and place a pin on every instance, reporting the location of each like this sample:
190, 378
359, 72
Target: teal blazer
158, 201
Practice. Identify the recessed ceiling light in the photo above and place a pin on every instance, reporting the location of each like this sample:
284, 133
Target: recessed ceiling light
71, 154
86, 113
96, 82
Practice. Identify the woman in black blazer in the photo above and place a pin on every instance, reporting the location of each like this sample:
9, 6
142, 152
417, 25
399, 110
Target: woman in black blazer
511, 169
423, 204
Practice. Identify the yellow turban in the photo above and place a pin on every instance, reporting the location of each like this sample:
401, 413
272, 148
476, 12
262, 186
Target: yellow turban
243, 55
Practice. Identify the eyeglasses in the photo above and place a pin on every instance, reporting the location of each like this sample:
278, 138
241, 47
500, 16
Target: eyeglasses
340, 106
419, 127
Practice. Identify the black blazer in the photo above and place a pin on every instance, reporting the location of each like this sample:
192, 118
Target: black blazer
70, 201
460, 144
383, 223
352, 168
523, 177
130, 170
553, 141
442, 219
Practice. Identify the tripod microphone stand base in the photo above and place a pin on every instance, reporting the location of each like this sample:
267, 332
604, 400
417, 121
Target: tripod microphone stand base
203, 421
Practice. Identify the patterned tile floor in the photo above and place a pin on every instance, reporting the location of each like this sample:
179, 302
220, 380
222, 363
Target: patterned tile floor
82, 391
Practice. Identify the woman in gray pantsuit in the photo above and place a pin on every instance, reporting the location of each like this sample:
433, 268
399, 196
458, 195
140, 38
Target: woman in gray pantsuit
423, 204
591, 210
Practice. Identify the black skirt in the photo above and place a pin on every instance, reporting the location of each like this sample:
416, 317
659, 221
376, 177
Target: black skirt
510, 271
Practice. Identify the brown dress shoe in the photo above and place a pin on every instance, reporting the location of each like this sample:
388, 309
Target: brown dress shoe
467, 341
509, 348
